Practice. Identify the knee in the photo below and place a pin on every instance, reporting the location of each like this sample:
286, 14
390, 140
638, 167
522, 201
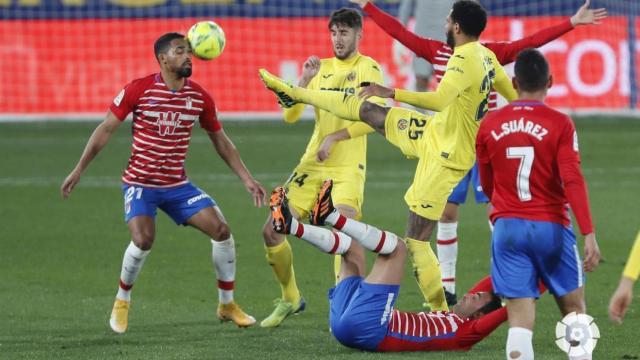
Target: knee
578, 306
374, 115
221, 232
450, 213
401, 249
142, 239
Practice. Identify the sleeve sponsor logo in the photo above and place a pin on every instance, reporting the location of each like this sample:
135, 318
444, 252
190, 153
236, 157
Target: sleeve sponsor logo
119, 98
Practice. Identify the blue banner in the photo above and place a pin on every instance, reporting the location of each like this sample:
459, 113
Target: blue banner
82, 9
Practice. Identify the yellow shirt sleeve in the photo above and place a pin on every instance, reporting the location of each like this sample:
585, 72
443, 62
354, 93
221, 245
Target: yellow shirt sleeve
502, 83
453, 83
293, 114
436, 100
358, 129
632, 269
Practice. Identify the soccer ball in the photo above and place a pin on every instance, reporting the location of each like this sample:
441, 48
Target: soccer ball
206, 39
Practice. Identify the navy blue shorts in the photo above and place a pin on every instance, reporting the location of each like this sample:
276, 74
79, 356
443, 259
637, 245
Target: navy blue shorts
526, 251
459, 194
180, 202
359, 312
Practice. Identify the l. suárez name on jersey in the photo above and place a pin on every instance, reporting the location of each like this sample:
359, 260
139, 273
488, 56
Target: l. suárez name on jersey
518, 126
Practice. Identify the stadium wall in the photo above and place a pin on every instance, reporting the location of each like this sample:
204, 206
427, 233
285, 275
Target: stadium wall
69, 58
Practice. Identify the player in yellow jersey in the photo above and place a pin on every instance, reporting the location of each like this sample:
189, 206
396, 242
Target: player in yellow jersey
443, 143
621, 299
337, 150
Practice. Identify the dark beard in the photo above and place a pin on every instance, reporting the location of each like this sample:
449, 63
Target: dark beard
450, 40
184, 72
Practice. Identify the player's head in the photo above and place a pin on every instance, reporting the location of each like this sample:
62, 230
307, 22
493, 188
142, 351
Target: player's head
174, 54
467, 18
345, 26
476, 305
532, 72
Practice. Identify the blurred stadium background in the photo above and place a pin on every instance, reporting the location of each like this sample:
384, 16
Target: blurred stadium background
59, 260
68, 58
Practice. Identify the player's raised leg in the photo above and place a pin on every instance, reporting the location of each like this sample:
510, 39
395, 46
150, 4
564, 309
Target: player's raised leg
347, 107
370, 237
280, 257
142, 230
211, 222
284, 223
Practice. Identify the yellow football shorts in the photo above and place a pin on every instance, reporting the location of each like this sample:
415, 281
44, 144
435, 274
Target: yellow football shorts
305, 182
432, 182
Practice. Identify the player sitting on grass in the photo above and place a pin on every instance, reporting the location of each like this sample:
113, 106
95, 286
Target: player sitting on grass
361, 308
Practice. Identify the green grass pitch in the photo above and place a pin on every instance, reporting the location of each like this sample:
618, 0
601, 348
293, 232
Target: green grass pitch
60, 260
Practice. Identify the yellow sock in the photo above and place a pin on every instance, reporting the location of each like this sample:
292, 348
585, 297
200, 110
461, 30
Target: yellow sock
337, 262
427, 271
336, 102
280, 257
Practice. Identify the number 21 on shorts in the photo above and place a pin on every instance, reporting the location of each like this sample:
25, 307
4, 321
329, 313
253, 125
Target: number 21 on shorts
128, 196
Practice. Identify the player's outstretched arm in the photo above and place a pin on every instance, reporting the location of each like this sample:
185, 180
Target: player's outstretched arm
506, 51
621, 299
423, 47
99, 138
228, 152
503, 84
355, 130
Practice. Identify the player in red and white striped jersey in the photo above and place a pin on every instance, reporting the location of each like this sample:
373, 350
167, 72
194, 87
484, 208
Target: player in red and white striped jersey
165, 107
438, 54
361, 309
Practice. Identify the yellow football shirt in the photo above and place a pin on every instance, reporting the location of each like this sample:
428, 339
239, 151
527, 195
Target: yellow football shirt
344, 76
462, 100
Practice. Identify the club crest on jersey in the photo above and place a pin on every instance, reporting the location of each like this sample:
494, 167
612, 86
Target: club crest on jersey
403, 124
189, 103
351, 76
168, 122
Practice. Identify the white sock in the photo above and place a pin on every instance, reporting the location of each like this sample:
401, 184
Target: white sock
519, 344
448, 254
131, 266
325, 240
371, 238
223, 254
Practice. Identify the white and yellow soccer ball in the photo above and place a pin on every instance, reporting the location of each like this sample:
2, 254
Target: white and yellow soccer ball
206, 39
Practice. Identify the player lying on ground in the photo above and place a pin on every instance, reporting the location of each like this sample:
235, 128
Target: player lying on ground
438, 53
530, 168
362, 313
165, 107
443, 143
345, 162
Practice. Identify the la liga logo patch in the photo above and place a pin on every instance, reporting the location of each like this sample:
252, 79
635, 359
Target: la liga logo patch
577, 334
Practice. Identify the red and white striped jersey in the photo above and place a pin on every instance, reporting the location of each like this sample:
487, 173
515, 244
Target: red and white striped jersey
424, 324
162, 123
